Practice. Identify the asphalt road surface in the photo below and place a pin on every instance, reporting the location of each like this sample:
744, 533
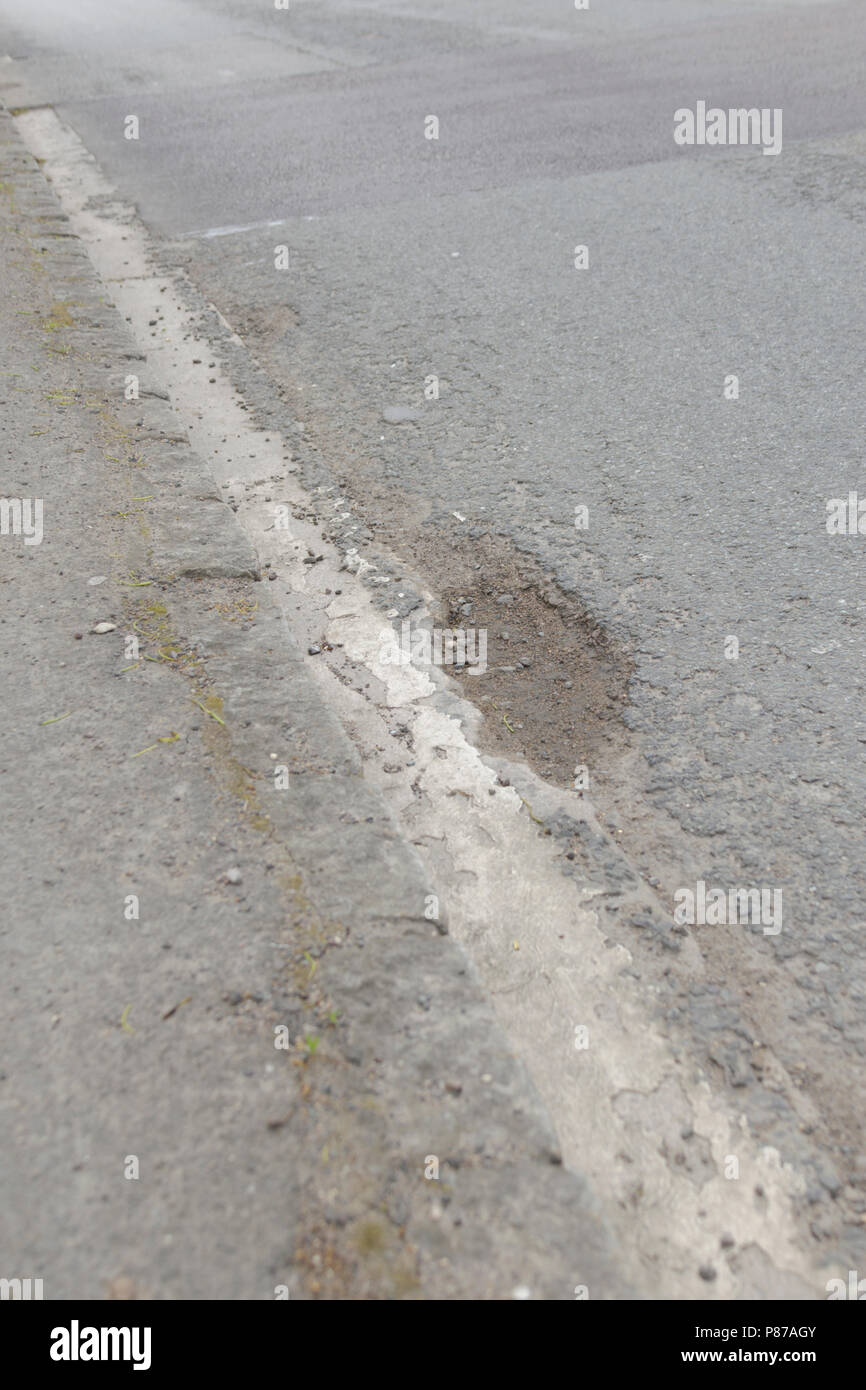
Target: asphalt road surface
733, 751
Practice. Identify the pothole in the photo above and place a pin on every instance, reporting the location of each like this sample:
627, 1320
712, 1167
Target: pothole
555, 684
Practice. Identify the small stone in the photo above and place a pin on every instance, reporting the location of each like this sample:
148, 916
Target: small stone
314, 651
727, 1241
831, 1181
233, 876
98, 579
521, 1292
707, 1273
104, 627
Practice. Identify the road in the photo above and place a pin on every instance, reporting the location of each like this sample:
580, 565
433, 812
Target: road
737, 763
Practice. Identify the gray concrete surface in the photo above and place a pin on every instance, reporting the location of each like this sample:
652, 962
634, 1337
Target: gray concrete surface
560, 387
151, 1037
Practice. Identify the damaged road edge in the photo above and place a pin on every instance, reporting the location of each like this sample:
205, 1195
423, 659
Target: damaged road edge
471, 829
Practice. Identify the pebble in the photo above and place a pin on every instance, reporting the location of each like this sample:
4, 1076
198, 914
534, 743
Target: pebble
233, 876
104, 627
314, 651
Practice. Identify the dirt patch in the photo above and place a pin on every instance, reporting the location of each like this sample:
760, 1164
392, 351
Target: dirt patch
555, 684
271, 321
